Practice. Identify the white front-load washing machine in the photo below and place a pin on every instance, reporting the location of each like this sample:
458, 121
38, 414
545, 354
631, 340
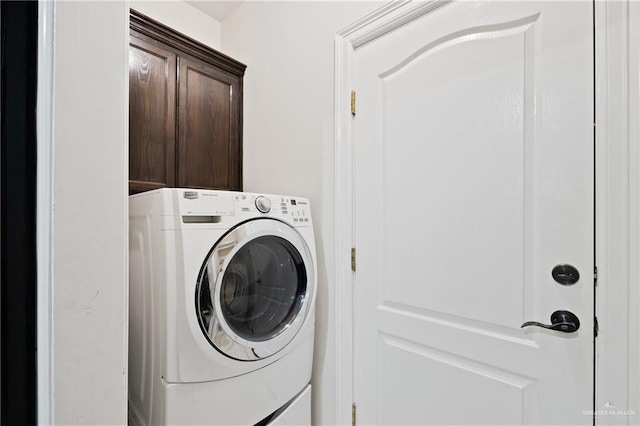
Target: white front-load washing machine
222, 289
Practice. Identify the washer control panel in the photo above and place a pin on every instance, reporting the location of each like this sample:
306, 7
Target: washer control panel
298, 209
292, 209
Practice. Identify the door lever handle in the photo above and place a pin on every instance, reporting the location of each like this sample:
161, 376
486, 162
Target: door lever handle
564, 321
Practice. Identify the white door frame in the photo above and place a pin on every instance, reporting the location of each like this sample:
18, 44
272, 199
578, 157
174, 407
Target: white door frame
617, 204
617, 94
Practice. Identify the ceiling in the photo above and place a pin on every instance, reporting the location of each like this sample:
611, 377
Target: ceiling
218, 10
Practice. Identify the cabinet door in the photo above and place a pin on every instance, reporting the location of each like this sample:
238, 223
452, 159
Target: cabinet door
209, 150
152, 94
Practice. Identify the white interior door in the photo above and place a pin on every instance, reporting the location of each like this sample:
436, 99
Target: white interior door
474, 178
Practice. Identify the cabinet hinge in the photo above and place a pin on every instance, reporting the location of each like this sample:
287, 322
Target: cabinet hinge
353, 102
596, 328
353, 258
353, 414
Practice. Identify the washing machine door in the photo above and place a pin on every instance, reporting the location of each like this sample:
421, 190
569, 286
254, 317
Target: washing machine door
255, 289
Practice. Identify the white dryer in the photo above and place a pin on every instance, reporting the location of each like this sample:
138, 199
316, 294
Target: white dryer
222, 289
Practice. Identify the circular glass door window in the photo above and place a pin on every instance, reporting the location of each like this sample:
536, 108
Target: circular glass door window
263, 288
252, 291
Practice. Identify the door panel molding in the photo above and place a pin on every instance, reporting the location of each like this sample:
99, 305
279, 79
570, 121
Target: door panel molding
617, 58
457, 361
485, 32
456, 323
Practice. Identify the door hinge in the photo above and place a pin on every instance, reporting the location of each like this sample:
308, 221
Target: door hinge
353, 258
596, 328
595, 276
353, 102
353, 414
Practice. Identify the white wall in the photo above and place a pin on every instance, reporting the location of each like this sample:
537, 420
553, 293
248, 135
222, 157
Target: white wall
90, 201
288, 130
90, 213
183, 18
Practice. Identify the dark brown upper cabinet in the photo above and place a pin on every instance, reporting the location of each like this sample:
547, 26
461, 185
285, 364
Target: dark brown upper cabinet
185, 111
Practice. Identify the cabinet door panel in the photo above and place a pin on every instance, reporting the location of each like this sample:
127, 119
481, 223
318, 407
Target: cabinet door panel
209, 152
152, 71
